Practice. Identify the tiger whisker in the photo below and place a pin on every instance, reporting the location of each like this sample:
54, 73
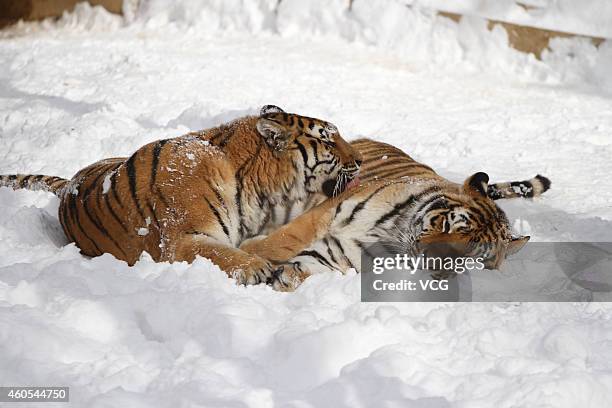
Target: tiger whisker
339, 184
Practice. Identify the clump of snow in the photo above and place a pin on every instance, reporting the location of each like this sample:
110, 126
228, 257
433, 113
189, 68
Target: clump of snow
143, 231
106, 184
74, 188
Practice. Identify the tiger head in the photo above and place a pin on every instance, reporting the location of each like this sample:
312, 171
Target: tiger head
329, 164
469, 224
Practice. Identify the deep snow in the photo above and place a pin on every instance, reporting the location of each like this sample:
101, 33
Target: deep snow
455, 97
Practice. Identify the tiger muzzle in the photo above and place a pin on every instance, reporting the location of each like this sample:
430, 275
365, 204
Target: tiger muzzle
348, 177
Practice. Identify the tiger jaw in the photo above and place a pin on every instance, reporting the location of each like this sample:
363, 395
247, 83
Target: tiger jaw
344, 181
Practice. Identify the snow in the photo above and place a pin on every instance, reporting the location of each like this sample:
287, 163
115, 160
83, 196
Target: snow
454, 96
106, 183
591, 17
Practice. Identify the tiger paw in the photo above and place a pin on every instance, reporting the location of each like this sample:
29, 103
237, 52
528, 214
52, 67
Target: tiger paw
288, 277
257, 271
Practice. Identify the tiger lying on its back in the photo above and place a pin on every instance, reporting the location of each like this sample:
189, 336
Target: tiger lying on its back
399, 200
202, 193
382, 161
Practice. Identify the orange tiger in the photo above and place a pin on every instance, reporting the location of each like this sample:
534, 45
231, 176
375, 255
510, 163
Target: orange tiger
402, 201
202, 193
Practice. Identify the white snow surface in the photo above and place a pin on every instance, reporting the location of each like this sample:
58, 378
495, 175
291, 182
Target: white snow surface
586, 17
92, 86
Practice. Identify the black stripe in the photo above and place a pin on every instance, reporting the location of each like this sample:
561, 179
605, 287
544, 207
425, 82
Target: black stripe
317, 256
409, 201
94, 183
152, 211
113, 181
525, 187
65, 219
315, 150
155, 159
219, 197
338, 209
232, 131
431, 204
304, 154
219, 219
288, 212
398, 168
57, 184
329, 251
489, 214
240, 173
77, 221
113, 213
131, 172
340, 248
494, 192
96, 222
362, 204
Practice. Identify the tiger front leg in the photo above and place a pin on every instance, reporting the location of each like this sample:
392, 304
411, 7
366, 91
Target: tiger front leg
246, 268
288, 241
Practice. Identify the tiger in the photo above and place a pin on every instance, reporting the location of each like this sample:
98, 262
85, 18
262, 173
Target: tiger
385, 161
201, 193
398, 200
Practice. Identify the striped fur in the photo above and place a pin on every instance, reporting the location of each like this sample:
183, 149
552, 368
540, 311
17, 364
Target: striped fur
382, 161
201, 193
399, 200
519, 189
35, 182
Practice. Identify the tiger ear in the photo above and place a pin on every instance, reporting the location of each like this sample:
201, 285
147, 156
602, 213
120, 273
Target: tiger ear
477, 184
516, 244
275, 135
270, 109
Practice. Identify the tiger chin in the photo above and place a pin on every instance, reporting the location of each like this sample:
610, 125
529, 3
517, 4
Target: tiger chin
402, 201
200, 194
